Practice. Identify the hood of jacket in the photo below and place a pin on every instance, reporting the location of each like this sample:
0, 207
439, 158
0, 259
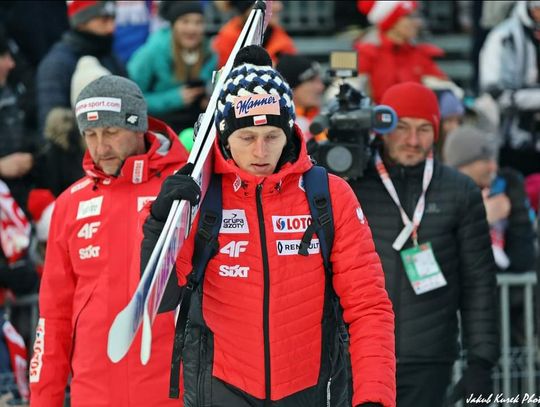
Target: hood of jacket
164, 149
248, 182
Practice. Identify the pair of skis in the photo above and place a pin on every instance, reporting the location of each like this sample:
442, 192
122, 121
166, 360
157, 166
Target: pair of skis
144, 303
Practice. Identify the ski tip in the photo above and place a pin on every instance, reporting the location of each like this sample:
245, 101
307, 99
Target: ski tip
119, 341
146, 339
115, 352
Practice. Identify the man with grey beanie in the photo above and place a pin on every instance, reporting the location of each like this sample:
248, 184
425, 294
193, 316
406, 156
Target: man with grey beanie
91, 266
474, 153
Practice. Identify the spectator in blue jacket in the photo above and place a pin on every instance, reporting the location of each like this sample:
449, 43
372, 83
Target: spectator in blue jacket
175, 65
91, 33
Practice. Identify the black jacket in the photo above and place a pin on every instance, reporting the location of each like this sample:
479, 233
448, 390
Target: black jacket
455, 224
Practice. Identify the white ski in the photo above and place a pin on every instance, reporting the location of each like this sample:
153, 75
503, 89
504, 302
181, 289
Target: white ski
146, 299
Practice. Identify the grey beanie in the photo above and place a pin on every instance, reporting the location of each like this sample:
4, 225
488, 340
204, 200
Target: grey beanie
111, 101
467, 144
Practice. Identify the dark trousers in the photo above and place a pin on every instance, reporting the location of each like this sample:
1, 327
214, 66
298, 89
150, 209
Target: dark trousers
422, 384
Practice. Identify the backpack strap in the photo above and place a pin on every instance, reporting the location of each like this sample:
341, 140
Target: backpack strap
320, 206
206, 247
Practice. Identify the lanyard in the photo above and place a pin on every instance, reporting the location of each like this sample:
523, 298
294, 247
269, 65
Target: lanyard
411, 227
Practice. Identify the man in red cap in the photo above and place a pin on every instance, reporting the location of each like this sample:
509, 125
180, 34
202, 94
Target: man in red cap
388, 54
430, 232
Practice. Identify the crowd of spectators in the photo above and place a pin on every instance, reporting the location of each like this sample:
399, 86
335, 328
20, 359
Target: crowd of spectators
49, 50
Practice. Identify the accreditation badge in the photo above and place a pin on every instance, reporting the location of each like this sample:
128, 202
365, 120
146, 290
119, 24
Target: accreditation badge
422, 268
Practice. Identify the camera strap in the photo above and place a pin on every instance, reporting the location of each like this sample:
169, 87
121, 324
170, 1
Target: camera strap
411, 227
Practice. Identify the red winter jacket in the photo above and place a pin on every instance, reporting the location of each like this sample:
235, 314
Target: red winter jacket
387, 63
279, 41
234, 287
91, 271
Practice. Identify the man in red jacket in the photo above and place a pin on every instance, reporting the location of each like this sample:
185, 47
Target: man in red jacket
91, 269
259, 331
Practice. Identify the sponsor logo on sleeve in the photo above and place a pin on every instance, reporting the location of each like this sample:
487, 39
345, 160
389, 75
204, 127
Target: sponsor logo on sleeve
143, 200
288, 224
39, 347
290, 247
92, 207
233, 271
234, 221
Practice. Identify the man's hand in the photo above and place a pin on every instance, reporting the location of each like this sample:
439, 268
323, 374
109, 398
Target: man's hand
16, 165
497, 207
177, 186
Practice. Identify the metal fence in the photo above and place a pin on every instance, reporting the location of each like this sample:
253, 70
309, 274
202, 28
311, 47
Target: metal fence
518, 371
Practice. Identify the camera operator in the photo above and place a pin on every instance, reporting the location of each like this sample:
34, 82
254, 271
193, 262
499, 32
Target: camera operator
430, 230
509, 71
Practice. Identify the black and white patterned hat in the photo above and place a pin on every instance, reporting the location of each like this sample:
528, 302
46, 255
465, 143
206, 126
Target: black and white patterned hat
254, 94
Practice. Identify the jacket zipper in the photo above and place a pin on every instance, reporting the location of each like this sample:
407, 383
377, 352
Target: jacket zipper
266, 297
202, 369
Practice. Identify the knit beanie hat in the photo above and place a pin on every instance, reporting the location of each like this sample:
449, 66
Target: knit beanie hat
385, 13
172, 10
467, 144
411, 99
450, 105
297, 69
81, 11
254, 94
111, 101
88, 69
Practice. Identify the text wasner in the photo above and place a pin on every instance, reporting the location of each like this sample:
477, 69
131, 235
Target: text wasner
244, 106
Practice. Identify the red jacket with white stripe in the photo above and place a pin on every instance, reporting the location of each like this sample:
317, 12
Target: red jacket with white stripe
234, 287
91, 271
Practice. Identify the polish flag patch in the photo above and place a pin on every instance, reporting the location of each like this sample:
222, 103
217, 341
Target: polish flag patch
259, 120
92, 116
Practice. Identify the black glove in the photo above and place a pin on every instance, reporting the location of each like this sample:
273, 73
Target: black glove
476, 380
176, 186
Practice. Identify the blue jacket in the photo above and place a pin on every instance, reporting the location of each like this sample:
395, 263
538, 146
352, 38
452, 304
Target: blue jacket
151, 67
56, 69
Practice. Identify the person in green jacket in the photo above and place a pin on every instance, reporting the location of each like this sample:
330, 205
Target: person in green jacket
174, 67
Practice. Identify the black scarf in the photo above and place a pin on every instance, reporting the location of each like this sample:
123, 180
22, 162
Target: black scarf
85, 43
